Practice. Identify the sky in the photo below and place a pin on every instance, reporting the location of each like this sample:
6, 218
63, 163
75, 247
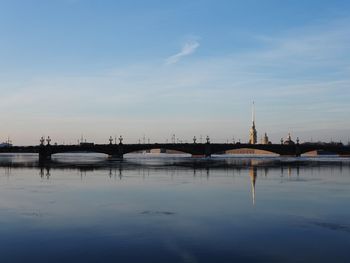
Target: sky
101, 68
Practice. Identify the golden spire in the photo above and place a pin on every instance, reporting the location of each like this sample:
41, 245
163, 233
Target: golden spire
252, 131
253, 113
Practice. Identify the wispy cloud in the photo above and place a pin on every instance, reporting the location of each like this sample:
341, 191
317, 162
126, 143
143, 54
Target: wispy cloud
187, 49
300, 79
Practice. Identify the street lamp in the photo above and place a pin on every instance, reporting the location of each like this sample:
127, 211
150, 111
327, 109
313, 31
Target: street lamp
42, 140
208, 139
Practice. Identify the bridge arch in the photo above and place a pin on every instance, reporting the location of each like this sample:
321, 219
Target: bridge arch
249, 151
171, 149
79, 153
265, 148
155, 152
325, 149
318, 152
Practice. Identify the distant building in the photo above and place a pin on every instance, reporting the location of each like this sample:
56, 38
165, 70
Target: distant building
5, 144
253, 135
289, 140
265, 139
8, 143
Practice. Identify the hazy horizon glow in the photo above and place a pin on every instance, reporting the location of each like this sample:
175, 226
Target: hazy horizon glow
105, 68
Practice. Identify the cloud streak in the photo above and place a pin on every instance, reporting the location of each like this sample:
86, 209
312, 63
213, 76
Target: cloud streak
300, 80
187, 49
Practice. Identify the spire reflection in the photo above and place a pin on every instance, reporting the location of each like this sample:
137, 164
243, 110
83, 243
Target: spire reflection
253, 171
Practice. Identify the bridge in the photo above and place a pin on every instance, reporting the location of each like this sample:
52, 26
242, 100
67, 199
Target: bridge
195, 149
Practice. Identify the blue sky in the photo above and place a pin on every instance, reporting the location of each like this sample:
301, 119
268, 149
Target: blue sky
154, 68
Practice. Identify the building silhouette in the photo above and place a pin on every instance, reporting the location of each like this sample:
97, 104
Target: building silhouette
289, 140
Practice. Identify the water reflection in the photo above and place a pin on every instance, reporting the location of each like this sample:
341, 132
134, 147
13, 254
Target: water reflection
174, 210
200, 167
253, 171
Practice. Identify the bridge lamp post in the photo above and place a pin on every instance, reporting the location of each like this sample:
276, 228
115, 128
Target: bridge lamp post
42, 140
110, 140
120, 139
208, 139
297, 140
48, 140
194, 139
281, 140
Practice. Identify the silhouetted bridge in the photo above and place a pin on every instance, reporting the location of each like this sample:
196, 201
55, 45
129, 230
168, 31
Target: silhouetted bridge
195, 149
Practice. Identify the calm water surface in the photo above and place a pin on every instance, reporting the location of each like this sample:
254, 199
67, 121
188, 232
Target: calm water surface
159, 209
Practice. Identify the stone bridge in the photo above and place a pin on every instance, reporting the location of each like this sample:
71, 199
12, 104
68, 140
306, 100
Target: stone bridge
195, 149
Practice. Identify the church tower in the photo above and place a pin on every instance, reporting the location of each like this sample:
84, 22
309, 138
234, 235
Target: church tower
252, 132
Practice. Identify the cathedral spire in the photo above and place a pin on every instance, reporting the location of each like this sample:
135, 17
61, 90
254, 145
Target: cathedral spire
253, 113
252, 131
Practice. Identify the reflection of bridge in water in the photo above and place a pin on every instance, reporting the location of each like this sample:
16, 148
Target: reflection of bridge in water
197, 168
195, 149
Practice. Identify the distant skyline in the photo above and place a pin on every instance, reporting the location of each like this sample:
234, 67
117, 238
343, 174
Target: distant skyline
157, 68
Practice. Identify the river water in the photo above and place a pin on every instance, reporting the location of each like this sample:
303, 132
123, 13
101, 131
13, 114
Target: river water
149, 208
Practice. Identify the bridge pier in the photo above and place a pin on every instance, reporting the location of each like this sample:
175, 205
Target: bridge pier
292, 151
115, 156
207, 149
198, 156
297, 150
43, 157
44, 154
289, 155
116, 152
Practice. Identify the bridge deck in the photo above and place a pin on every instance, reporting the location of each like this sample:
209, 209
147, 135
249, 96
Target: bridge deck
205, 149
